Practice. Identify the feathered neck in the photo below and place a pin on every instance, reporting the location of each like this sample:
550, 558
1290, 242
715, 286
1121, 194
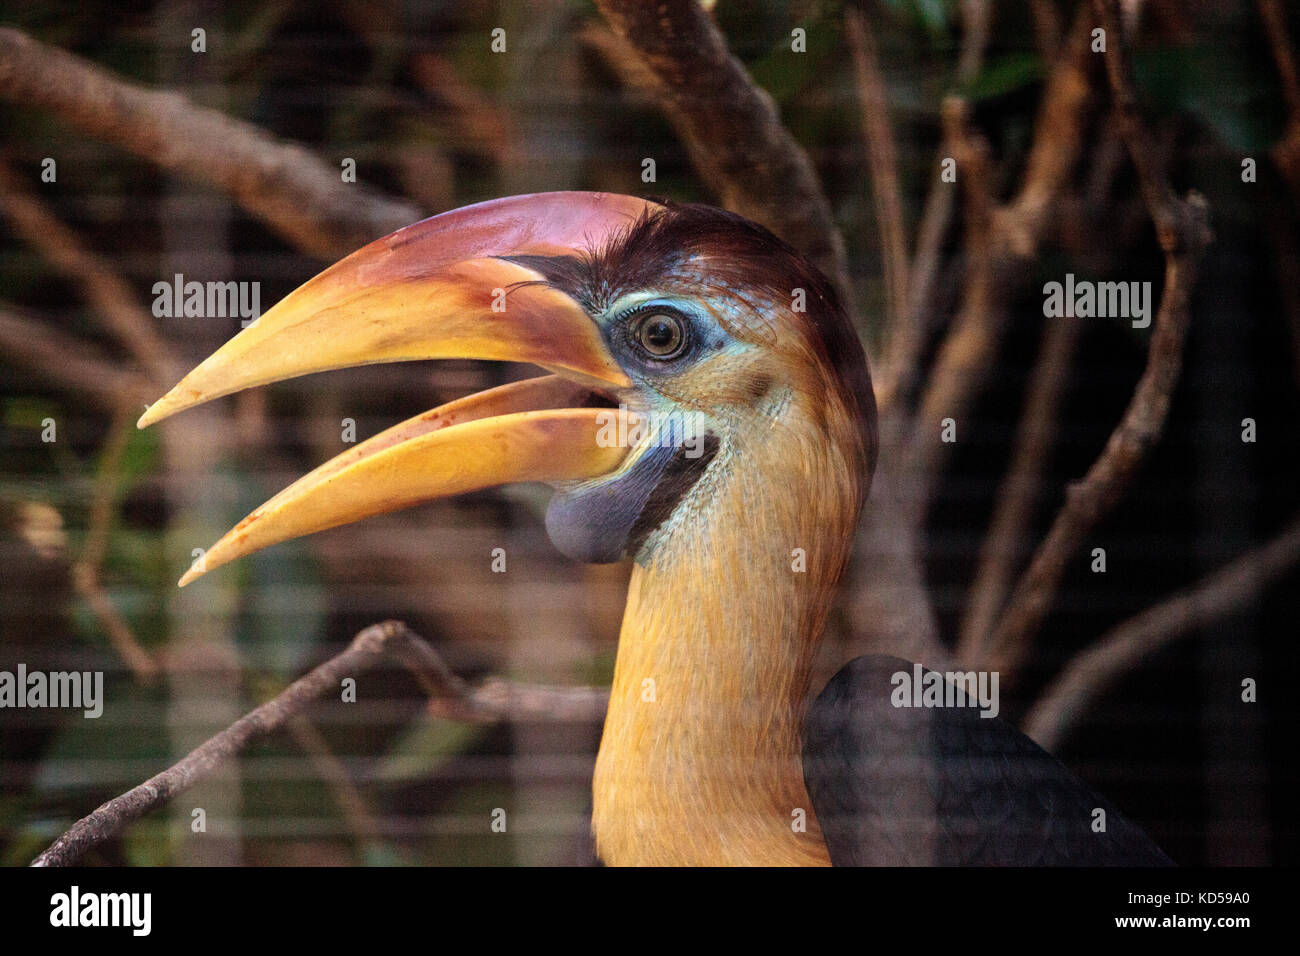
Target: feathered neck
700, 758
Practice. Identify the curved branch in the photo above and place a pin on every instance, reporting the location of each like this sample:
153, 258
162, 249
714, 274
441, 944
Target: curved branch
731, 127
1091, 673
452, 697
282, 184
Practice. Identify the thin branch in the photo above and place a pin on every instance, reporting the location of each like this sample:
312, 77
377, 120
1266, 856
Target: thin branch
970, 344
476, 122
284, 185
498, 700
976, 19
334, 773
900, 377
1092, 673
1047, 28
1274, 17
69, 362
1182, 227
85, 572
1018, 496
730, 126
997, 260
141, 664
1286, 153
882, 158
112, 298
106, 482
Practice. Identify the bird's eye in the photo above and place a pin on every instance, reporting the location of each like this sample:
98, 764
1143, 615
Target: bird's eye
661, 335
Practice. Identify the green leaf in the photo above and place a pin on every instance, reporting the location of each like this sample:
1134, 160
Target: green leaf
1004, 75
784, 73
21, 411
1218, 86
933, 15
425, 746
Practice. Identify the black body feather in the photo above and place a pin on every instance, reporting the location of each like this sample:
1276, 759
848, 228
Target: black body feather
907, 786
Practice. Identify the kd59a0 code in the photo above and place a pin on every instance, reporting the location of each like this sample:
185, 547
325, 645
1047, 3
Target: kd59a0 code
1223, 897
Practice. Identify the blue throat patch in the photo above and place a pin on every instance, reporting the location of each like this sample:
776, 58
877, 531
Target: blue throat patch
602, 522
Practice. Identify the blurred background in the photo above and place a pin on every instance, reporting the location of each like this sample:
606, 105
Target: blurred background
97, 524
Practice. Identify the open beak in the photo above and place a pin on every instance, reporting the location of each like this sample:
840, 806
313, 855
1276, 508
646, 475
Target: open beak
441, 288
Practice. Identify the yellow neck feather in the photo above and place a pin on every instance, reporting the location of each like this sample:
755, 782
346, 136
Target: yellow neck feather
700, 759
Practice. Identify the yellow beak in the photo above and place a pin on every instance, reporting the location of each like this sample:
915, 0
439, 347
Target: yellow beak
437, 289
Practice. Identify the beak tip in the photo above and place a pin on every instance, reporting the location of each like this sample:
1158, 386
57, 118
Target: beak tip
151, 415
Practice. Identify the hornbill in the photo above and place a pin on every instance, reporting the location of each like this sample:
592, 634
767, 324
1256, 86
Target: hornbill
744, 448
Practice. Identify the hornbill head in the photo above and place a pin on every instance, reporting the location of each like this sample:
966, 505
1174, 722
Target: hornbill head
681, 339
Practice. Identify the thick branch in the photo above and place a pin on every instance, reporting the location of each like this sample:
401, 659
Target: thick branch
498, 700
730, 126
284, 185
1183, 231
1091, 673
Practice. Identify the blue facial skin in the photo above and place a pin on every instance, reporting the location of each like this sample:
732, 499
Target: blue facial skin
593, 522
597, 522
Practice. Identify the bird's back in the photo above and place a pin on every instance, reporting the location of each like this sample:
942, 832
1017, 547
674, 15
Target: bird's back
945, 786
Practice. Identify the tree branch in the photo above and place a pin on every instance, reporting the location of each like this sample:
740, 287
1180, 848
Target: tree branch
1090, 674
873, 100
1182, 228
85, 572
1001, 241
1047, 28
284, 185
1018, 496
1274, 17
731, 127
899, 379
1286, 153
69, 362
111, 297
976, 19
451, 696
